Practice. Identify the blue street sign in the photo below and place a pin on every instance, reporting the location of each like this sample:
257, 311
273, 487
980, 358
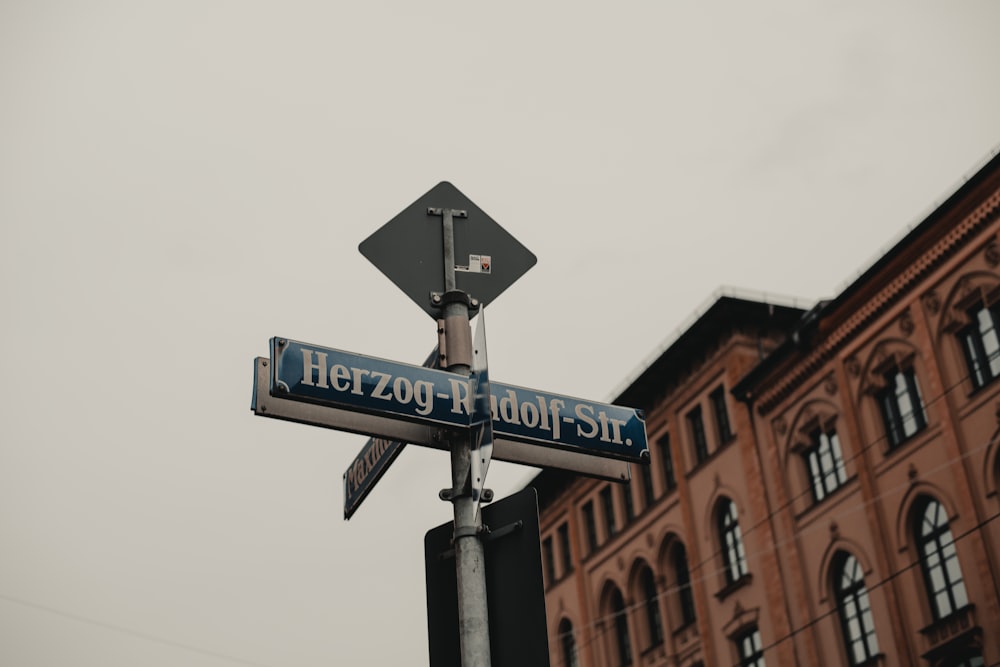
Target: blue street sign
263, 404
353, 382
538, 417
341, 379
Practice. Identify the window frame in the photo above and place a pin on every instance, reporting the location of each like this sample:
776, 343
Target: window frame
549, 560
824, 460
750, 654
590, 526
731, 545
972, 339
720, 411
851, 596
565, 546
651, 605
699, 437
682, 580
608, 507
939, 560
667, 464
623, 642
889, 400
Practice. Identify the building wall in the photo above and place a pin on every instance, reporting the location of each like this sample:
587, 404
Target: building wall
899, 329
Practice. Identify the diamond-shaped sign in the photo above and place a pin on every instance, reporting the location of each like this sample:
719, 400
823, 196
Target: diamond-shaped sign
409, 250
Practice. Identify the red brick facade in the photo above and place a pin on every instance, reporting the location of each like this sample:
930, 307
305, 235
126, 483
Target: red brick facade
823, 487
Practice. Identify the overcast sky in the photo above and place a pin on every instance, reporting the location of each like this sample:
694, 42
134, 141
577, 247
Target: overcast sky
180, 181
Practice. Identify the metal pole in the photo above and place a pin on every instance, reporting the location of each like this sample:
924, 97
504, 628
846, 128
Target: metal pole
470, 570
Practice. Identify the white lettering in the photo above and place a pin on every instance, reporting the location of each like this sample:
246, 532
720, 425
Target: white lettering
380, 386
338, 373
529, 414
358, 373
616, 431
508, 408
459, 396
402, 390
423, 392
585, 413
308, 367
554, 406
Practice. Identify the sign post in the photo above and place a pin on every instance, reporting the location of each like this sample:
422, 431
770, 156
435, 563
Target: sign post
452, 259
470, 570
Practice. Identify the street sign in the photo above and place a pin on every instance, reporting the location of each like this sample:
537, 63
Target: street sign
335, 378
553, 420
275, 407
373, 460
367, 469
342, 379
409, 250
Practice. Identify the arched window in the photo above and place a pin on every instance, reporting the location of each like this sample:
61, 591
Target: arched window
901, 405
855, 610
652, 606
682, 579
750, 648
980, 343
567, 641
731, 540
825, 462
939, 561
622, 643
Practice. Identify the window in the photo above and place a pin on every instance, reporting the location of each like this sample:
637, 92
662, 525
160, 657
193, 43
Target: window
750, 649
621, 629
667, 461
652, 604
939, 561
733, 555
902, 407
590, 526
682, 576
697, 427
825, 462
627, 501
646, 478
567, 641
981, 345
608, 503
718, 399
567, 554
975, 660
855, 611
549, 560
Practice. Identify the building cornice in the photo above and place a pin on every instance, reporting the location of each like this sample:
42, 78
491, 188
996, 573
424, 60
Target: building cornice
881, 301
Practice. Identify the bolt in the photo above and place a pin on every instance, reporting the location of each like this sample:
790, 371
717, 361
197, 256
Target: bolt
436, 298
264, 363
475, 303
282, 342
263, 408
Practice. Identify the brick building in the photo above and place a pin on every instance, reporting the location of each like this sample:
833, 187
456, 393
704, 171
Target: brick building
823, 487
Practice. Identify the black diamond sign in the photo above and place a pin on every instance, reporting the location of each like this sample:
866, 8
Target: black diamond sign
409, 250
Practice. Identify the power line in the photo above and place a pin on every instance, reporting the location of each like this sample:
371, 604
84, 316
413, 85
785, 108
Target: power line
136, 634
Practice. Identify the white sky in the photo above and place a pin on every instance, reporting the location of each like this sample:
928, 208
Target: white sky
180, 181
